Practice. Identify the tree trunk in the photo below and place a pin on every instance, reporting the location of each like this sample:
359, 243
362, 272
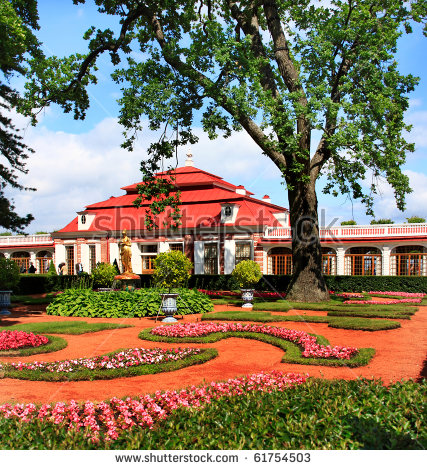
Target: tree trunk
308, 283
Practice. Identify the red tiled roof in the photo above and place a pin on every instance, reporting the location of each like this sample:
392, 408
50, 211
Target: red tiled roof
201, 196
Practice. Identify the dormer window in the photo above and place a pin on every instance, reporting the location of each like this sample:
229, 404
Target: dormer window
83, 219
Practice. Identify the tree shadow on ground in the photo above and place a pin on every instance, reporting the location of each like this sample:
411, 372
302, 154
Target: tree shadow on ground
423, 372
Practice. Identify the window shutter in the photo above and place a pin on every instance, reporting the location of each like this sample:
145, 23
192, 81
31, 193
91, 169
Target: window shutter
229, 256
199, 257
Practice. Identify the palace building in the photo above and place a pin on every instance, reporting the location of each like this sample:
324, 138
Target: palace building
222, 224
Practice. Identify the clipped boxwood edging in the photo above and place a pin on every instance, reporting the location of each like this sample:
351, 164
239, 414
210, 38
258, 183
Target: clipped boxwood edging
342, 322
108, 374
117, 304
54, 344
292, 351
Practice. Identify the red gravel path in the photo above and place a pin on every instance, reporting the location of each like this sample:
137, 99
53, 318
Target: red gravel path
400, 354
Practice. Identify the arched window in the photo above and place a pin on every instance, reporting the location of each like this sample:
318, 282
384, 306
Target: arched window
22, 259
43, 259
363, 261
409, 260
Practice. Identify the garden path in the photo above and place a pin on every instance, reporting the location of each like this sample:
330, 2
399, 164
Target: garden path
400, 354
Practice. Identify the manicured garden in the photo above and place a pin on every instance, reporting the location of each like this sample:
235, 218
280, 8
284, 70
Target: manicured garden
282, 409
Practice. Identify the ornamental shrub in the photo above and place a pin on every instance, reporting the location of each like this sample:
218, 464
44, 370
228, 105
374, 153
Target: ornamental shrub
52, 269
9, 274
103, 275
349, 222
117, 304
171, 270
382, 222
246, 274
415, 220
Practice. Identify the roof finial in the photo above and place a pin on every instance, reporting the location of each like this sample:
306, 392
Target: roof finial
189, 161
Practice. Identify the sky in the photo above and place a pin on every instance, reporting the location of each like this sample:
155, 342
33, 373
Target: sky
77, 163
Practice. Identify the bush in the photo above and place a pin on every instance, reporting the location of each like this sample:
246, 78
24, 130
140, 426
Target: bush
103, 275
52, 269
349, 222
171, 270
415, 220
9, 274
382, 222
246, 274
116, 304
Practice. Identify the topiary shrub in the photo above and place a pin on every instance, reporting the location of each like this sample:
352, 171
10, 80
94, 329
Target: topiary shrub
246, 274
9, 274
52, 269
103, 275
171, 270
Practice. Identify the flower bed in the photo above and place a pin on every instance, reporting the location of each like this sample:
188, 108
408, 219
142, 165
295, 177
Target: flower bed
20, 339
118, 416
384, 301
120, 360
348, 295
399, 294
309, 343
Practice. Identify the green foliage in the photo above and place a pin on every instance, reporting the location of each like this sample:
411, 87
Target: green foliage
117, 304
9, 274
292, 351
320, 414
415, 220
171, 270
382, 222
103, 275
109, 374
18, 20
52, 269
246, 274
349, 222
5, 234
377, 283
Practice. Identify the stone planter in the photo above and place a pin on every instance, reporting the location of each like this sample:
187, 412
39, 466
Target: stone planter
169, 307
4, 301
247, 297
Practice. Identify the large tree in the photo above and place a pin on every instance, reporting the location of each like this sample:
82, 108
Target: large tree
314, 83
18, 20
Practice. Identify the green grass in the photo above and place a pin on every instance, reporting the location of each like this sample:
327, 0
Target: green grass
292, 351
54, 344
334, 322
65, 327
374, 314
320, 414
364, 324
108, 374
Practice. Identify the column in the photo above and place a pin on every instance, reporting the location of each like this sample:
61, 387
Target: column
385, 252
340, 261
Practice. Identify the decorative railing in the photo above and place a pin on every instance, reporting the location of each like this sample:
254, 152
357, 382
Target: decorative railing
356, 231
24, 240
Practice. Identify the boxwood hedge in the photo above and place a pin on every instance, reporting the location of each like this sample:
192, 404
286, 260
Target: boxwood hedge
115, 304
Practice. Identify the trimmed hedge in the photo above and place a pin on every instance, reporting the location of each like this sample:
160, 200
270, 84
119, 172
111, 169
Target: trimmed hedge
42, 283
116, 304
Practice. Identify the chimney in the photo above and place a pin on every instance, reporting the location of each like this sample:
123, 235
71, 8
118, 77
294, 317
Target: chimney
266, 198
189, 161
241, 190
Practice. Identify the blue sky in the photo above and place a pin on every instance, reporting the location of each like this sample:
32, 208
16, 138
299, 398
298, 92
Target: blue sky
77, 163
